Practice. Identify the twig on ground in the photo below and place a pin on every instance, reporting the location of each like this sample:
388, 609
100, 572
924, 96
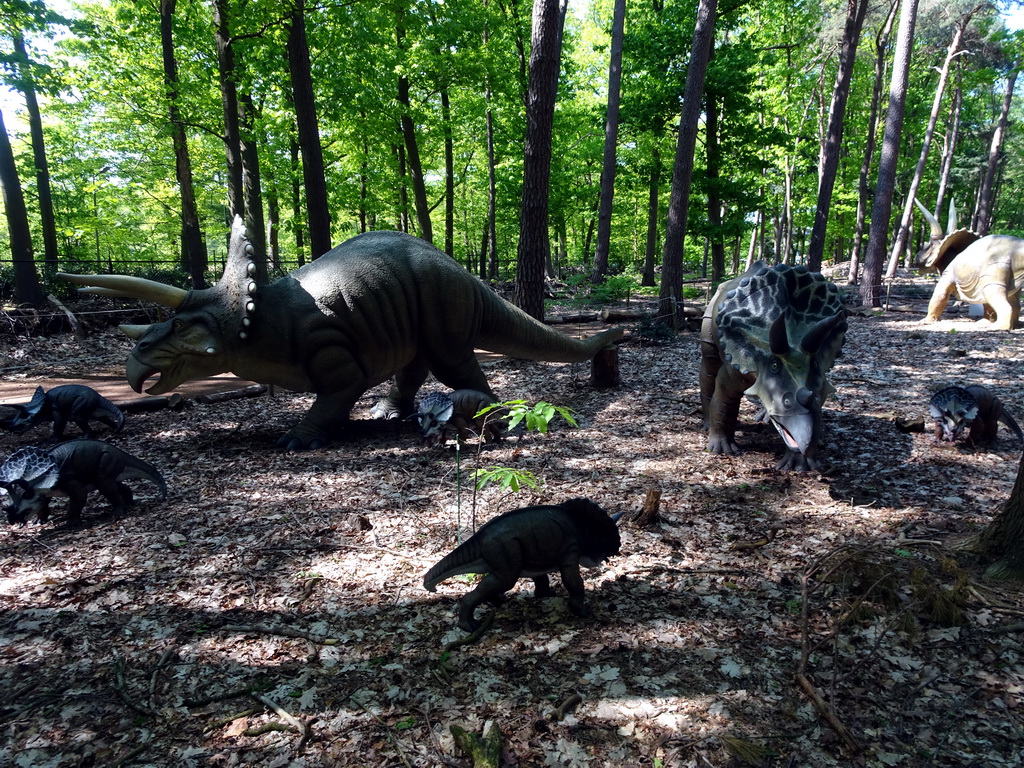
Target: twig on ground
194, 703
168, 654
827, 712
391, 737
267, 629
131, 755
122, 688
567, 706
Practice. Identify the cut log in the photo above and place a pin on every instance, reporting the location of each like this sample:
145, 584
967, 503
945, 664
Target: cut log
622, 315
254, 390
604, 368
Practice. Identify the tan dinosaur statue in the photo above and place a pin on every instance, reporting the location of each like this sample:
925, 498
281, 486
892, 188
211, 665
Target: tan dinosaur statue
981, 270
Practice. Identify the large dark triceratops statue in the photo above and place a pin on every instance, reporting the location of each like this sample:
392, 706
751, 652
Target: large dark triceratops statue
982, 270
772, 333
379, 305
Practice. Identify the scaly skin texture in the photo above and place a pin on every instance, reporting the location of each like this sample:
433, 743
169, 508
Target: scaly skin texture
32, 476
530, 543
974, 408
381, 305
76, 403
772, 333
989, 271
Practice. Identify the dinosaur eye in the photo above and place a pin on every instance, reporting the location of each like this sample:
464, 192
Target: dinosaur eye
178, 325
775, 366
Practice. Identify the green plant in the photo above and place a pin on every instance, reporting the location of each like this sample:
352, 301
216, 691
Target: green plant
508, 478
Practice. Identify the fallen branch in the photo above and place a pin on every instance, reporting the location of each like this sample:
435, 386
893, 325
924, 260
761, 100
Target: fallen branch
122, 688
168, 654
826, 711
266, 629
131, 755
72, 320
391, 736
301, 727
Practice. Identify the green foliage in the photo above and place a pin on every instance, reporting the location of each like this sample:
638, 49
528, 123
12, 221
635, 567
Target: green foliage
507, 478
535, 418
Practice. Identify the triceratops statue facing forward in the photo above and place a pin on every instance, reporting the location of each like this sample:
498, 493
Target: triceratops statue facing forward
982, 270
379, 305
772, 333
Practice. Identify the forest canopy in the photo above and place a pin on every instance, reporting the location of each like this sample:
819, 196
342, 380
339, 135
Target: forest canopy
417, 106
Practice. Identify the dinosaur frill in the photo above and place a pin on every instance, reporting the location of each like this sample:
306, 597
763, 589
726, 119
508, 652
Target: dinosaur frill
774, 311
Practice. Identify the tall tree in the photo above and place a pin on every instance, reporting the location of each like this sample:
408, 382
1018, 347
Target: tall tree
952, 51
315, 181
828, 158
611, 139
412, 149
670, 300
881, 47
985, 192
193, 244
881, 212
229, 102
26, 281
534, 243
26, 84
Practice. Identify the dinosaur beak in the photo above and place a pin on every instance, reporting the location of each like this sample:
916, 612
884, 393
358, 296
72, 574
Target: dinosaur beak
796, 430
137, 372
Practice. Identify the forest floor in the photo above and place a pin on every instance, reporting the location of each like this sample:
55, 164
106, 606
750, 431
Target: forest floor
270, 612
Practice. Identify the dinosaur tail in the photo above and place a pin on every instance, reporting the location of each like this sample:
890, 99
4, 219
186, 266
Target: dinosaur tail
1012, 424
465, 558
143, 470
115, 413
508, 330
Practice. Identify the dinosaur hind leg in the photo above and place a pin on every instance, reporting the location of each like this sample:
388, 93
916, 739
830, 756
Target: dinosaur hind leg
401, 398
1007, 310
465, 373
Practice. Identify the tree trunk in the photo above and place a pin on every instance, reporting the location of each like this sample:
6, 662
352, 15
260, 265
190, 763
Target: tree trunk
949, 148
714, 202
611, 138
26, 280
412, 149
252, 185
229, 102
193, 245
908, 208
995, 150
1003, 538
534, 243
314, 181
47, 220
881, 212
828, 159
449, 175
653, 198
881, 46
670, 304
297, 217
492, 196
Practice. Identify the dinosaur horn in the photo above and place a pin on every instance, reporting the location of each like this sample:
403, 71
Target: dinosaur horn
932, 221
134, 331
777, 338
821, 330
128, 287
951, 225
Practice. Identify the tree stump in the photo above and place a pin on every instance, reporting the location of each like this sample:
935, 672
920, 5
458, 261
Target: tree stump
484, 751
604, 368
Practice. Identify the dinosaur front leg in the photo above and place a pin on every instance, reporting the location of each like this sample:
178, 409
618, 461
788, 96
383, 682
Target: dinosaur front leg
572, 579
722, 411
328, 414
940, 296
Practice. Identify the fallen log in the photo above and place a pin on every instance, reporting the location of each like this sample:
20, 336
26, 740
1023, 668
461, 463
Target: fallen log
254, 390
